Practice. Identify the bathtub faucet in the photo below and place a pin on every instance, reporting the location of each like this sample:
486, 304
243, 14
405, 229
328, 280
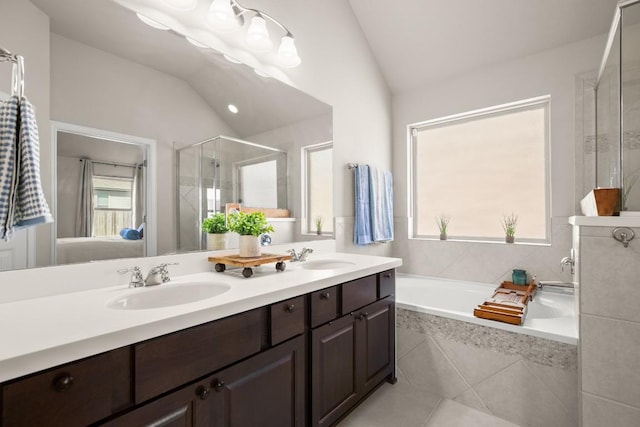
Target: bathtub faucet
555, 284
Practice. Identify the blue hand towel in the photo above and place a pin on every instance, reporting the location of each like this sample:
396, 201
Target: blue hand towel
130, 234
362, 226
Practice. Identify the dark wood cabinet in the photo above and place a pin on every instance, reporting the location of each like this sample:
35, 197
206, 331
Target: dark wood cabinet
350, 356
307, 360
267, 389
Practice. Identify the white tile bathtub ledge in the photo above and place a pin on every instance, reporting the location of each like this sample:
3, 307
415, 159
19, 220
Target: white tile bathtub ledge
40, 333
605, 221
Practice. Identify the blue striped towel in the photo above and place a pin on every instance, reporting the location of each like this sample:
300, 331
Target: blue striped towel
22, 202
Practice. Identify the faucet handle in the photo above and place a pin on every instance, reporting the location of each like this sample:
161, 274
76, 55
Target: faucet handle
164, 271
136, 276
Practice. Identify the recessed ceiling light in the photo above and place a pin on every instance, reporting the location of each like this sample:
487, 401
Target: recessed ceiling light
233, 108
152, 23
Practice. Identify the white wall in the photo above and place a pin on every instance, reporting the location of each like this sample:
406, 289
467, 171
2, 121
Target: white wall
551, 72
24, 30
93, 88
338, 68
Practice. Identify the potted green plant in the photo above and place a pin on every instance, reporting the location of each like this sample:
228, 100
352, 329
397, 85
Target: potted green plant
249, 226
216, 228
318, 225
509, 223
443, 223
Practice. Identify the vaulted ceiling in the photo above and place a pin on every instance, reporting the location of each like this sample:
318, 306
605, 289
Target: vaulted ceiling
418, 42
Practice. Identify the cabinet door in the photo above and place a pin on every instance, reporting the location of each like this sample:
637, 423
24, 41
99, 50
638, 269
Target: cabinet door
376, 342
266, 390
182, 408
333, 372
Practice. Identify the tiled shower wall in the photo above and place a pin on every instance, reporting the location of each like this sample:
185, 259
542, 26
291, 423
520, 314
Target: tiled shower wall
523, 379
609, 327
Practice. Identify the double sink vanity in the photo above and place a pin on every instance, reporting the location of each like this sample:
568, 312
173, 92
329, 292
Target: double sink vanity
293, 348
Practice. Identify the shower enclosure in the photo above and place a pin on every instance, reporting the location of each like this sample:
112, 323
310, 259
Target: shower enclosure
224, 170
618, 108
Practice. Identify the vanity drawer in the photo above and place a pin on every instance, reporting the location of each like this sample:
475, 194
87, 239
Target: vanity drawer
172, 360
287, 319
358, 293
324, 306
386, 283
77, 393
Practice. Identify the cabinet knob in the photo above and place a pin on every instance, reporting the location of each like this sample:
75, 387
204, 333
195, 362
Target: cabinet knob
63, 382
387, 275
203, 392
362, 316
325, 295
289, 308
219, 385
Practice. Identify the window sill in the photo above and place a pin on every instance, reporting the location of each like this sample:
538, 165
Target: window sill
494, 242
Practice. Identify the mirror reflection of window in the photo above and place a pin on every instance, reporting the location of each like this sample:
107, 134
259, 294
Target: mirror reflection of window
112, 201
319, 197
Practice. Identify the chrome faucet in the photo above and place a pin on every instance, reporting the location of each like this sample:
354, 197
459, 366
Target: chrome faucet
302, 256
568, 261
158, 275
136, 280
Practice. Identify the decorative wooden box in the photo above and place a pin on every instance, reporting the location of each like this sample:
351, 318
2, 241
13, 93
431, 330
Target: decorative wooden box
508, 303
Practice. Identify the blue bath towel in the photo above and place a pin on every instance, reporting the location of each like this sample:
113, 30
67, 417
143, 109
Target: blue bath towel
22, 202
381, 202
362, 227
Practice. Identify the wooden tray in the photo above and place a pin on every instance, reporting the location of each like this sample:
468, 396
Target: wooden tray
247, 263
508, 303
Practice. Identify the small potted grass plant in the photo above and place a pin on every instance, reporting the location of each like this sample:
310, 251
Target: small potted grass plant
318, 225
509, 224
216, 228
249, 226
443, 223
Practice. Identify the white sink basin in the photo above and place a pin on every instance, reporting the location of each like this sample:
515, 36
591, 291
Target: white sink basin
167, 295
327, 264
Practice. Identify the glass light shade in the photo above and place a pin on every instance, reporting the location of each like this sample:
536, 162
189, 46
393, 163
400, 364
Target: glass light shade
287, 53
182, 5
223, 17
257, 35
150, 22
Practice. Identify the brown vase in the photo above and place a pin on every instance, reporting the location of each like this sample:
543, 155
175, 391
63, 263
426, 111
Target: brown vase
509, 239
443, 236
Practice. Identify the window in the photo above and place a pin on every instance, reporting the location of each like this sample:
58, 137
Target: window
318, 178
480, 166
112, 205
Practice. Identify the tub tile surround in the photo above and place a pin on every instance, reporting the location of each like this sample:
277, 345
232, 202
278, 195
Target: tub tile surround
609, 324
483, 262
525, 380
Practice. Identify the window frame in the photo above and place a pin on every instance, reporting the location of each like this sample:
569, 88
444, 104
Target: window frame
523, 105
306, 228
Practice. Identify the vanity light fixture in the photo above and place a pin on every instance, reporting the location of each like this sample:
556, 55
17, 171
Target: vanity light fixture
182, 5
150, 22
228, 15
233, 108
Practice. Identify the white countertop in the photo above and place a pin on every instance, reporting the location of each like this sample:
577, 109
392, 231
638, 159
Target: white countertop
40, 333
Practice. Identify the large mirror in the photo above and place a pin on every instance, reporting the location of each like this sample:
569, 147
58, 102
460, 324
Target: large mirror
116, 75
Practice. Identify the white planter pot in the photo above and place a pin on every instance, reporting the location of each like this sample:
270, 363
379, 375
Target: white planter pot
250, 246
216, 242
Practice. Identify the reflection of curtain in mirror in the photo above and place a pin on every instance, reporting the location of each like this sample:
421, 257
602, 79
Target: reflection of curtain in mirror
138, 196
84, 213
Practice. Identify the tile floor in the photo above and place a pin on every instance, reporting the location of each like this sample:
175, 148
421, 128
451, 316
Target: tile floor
403, 405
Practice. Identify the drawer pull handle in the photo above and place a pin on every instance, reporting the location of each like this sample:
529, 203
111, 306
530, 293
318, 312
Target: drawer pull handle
325, 295
387, 275
63, 382
289, 308
219, 385
203, 392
